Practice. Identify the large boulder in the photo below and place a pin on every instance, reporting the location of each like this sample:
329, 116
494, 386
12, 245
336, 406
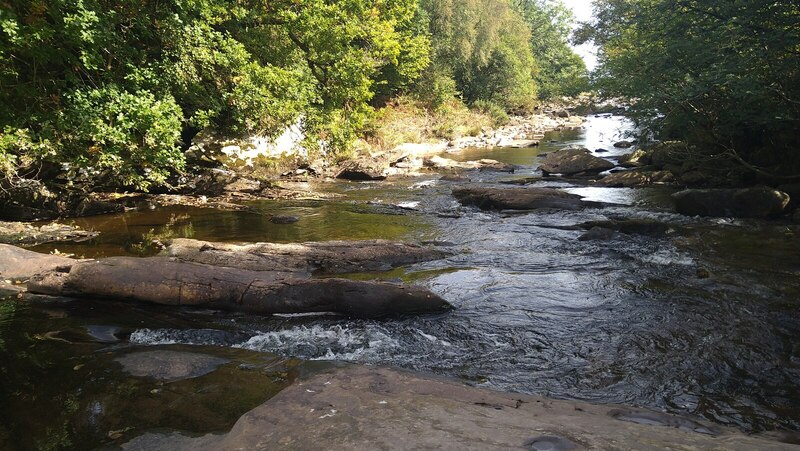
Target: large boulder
574, 161
518, 198
637, 178
330, 257
485, 164
21, 264
634, 159
362, 170
756, 202
162, 280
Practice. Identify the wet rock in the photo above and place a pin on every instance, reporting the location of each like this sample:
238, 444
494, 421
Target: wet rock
164, 281
209, 182
93, 207
600, 151
362, 170
647, 227
635, 159
573, 161
793, 190
283, 219
330, 257
703, 273
647, 417
454, 178
26, 233
623, 144
21, 264
561, 113
637, 178
625, 179
552, 443
693, 178
169, 366
670, 153
355, 407
26, 200
598, 234
242, 185
756, 202
438, 162
518, 198
521, 181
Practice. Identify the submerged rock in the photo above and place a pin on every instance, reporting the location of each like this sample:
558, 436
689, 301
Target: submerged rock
518, 198
169, 365
20, 264
598, 234
623, 144
574, 161
756, 202
331, 257
161, 280
633, 226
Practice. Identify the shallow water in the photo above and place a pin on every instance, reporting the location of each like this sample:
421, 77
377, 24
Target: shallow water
537, 311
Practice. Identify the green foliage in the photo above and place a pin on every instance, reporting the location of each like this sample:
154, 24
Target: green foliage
491, 109
561, 72
722, 75
109, 85
483, 46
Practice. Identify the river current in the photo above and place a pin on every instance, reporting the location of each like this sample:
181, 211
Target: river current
631, 320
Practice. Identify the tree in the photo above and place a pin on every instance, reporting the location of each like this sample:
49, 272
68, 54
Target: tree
108, 86
561, 72
722, 75
482, 45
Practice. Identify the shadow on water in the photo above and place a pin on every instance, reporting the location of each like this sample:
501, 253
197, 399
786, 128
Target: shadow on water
701, 320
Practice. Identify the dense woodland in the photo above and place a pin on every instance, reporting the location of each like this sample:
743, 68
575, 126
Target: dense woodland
119, 86
115, 89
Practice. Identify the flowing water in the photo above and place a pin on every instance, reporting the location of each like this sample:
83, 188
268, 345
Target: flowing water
628, 320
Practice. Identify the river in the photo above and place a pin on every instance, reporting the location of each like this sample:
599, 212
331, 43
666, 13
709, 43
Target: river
632, 320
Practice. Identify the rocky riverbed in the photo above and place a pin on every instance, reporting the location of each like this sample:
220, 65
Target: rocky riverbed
561, 286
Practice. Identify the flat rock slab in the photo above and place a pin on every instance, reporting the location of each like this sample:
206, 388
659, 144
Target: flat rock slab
21, 264
518, 198
330, 257
574, 161
161, 280
378, 408
169, 365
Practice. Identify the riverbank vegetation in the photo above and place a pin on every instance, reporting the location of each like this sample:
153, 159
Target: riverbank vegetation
722, 76
101, 93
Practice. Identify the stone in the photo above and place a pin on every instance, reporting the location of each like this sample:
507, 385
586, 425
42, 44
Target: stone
362, 170
160, 280
623, 144
634, 159
93, 207
357, 407
518, 198
598, 234
169, 366
633, 226
27, 233
243, 185
756, 202
485, 164
329, 257
283, 219
21, 264
573, 161
625, 179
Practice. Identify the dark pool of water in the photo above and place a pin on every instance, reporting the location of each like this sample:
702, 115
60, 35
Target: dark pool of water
537, 311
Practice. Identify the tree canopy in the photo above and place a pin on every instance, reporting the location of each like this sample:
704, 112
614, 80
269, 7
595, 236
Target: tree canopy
723, 75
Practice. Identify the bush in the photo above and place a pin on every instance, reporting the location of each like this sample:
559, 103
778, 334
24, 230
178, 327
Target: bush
494, 111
